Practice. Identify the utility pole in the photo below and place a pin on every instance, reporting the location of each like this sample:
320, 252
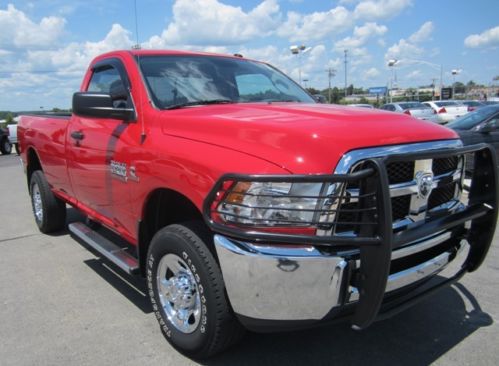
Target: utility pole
330, 74
346, 51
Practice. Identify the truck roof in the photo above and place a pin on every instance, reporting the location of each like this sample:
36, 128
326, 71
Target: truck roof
163, 53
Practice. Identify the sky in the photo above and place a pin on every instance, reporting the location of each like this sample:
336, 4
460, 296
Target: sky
46, 45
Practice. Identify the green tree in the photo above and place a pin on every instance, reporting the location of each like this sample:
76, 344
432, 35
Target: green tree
9, 119
313, 91
459, 88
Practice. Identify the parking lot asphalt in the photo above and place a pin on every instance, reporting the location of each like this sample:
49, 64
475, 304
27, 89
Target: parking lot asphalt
63, 305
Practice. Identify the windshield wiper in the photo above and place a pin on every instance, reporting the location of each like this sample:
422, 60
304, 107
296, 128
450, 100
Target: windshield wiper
200, 102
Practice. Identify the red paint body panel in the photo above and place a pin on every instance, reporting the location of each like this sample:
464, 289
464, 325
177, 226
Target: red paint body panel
187, 150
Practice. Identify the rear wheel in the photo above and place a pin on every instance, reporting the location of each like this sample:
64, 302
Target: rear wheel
49, 211
5, 146
187, 292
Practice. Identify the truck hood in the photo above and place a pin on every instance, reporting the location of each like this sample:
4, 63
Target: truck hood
301, 138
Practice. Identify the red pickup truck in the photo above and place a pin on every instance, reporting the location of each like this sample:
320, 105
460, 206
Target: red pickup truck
246, 205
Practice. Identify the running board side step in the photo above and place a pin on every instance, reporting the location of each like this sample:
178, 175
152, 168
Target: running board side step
107, 248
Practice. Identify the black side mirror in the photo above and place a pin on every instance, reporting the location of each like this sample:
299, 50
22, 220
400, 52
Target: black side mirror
487, 128
91, 104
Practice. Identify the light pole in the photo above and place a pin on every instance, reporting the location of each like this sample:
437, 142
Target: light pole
454, 72
391, 64
346, 52
297, 50
431, 64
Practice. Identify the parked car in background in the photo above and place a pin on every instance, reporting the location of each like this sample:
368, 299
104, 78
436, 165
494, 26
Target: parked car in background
414, 109
13, 136
5, 146
472, 104
361, 105
447, 110
319, 98
481, 125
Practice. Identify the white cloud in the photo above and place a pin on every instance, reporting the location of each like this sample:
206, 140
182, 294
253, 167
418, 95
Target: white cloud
210, 22
423, 33
18, 31
414, 75
380, 9
403, 49
315, 26
371, 73
411, 48
361, 35
75, 57
488, 38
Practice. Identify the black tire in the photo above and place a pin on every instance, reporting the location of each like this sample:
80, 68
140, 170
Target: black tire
5, 146
49, 211
218, 328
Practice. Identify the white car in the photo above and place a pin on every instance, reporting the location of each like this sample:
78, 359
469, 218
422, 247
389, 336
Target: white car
446, 111
13, 136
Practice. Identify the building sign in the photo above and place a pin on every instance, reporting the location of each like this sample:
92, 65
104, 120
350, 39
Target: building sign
378, 90
446, 93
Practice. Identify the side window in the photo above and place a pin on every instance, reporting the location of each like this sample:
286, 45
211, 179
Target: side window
102, 79
108, 80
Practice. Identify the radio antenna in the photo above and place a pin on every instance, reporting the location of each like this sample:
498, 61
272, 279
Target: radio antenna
137, 44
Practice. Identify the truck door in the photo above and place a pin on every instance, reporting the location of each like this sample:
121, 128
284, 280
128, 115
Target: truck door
97, 149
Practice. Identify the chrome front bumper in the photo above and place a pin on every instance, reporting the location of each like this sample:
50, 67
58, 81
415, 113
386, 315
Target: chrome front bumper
300, 283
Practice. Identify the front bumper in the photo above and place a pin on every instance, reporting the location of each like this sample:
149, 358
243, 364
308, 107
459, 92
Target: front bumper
302, 284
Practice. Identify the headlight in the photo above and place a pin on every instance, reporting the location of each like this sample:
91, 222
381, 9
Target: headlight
272, 204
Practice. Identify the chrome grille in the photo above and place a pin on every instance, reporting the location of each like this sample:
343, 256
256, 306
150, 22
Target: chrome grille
442, 195
408, 203
400, 171
400, 207
445, 165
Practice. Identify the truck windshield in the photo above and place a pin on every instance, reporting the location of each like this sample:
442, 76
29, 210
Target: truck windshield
176, 81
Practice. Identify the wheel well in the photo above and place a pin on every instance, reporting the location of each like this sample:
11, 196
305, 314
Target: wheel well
164, 207
33, 164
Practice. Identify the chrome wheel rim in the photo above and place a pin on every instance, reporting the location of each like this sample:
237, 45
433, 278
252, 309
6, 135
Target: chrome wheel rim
37, 203
178, 293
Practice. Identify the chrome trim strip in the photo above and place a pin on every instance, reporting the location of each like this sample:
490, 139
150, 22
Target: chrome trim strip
411, 187
416, 273
414, 248
354, 156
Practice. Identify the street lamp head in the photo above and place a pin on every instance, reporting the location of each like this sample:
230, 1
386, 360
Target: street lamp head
455, 71
392, 62
294, 49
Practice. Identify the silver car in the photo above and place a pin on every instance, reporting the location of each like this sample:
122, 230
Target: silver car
414, 109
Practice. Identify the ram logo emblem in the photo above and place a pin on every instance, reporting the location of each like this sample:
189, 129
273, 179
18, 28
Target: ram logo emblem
425, 183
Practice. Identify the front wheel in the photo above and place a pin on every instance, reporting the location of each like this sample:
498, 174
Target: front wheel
5, 146
49, 211
187, 292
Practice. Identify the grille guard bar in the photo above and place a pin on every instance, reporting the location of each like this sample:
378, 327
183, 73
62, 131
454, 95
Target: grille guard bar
377, 241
